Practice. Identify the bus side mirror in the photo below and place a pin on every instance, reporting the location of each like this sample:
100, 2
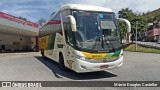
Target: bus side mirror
127, 23
128, 27
72, 22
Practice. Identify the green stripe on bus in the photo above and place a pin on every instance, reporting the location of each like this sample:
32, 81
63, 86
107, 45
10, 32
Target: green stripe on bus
113, 54
117, 53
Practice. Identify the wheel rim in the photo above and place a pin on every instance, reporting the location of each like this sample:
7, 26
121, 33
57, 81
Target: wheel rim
61, 62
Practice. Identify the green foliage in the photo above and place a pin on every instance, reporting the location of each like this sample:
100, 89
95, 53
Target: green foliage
131, 47
132, 17
152, 16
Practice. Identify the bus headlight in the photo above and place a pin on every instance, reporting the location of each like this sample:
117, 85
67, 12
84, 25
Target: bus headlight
120, 55
80, 57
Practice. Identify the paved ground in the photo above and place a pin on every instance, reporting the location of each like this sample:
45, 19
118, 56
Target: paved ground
31, 67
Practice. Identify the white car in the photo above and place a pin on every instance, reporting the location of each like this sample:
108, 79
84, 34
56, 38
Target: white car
158, 41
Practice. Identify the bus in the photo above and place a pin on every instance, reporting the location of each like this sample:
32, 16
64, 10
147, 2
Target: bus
82, 38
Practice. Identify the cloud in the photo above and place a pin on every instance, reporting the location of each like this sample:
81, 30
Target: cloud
116, 5
35, 9
0, 3
20, 12
148, 5
26, 8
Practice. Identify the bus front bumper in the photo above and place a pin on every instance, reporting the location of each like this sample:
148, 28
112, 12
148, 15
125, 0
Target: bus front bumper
84, 66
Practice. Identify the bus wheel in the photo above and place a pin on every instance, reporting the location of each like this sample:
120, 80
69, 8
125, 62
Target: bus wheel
61, 63
42, 53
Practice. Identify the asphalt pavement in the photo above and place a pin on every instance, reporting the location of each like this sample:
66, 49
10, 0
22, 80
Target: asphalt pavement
32, 67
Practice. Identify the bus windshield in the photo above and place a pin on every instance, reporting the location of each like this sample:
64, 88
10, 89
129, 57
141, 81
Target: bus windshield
96, 31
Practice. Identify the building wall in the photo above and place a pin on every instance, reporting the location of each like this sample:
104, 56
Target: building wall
153, 35
17, 33
33, 43
14, 42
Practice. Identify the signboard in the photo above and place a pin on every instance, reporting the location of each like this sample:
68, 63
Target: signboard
18, 20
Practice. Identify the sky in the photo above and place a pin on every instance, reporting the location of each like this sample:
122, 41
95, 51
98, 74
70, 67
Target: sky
33, 10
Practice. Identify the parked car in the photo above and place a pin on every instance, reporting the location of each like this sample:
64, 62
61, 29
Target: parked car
158, 41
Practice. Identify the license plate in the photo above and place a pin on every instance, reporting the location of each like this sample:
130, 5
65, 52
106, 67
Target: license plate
103, 66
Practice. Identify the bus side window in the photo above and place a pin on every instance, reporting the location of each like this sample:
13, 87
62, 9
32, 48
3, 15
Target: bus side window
69, 33
60, 32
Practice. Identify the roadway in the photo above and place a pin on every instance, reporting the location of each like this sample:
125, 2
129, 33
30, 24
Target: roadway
149, 44
32, 67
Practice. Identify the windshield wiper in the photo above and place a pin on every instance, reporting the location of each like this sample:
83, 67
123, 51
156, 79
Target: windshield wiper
101, 39
109, 42
97, 40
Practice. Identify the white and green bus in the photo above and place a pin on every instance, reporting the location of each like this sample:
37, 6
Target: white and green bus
82, 38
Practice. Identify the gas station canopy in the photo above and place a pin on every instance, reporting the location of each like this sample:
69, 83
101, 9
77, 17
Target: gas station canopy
17, 26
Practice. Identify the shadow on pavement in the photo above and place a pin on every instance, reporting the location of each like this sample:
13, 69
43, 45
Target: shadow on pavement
71, 74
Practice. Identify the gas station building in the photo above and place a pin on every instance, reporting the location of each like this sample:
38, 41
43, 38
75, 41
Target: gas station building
17, 34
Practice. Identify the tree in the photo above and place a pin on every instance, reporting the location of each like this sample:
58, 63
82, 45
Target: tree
41, 21
22, 18
132, 17
127, 14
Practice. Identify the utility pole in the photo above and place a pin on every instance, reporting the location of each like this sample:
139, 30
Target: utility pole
136, 33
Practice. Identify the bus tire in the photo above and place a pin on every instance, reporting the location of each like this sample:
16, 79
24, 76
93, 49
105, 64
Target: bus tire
61, 62
42, 53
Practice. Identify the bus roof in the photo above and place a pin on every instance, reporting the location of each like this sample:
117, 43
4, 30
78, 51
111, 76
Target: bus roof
85, 7
80, 7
